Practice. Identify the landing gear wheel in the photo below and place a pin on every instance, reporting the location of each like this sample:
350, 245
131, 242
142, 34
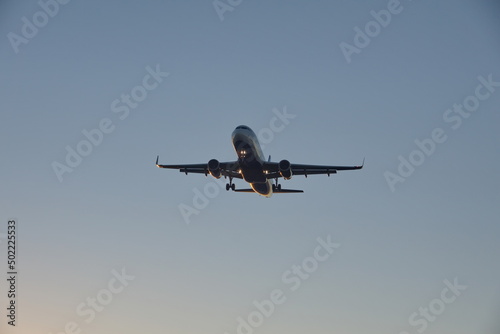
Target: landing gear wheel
276, 185
230, 185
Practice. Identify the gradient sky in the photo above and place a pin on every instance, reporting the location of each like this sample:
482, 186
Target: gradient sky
117, 210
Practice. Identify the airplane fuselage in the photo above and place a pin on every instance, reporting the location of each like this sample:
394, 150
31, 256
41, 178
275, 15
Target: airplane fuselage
251, 160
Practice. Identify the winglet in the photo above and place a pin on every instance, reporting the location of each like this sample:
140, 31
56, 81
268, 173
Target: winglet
157, 157
363, 162
269, 159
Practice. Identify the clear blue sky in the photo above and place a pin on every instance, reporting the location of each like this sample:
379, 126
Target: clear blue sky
116, 211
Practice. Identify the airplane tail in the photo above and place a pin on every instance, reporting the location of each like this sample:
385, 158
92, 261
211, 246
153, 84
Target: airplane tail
274, 191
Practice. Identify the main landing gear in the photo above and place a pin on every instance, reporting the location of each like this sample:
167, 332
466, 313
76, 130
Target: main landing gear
230, 185
276, 186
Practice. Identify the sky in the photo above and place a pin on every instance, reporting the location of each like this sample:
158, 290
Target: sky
92, 92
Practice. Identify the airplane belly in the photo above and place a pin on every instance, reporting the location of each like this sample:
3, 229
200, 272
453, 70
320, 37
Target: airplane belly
264, 189
253, 176
251, 170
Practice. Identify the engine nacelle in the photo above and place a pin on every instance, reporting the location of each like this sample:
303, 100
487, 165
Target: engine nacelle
285, 169
214, 168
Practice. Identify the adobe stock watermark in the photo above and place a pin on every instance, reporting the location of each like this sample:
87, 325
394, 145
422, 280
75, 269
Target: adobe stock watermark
201, 198
425, 315
30, 28
453, 117
292, 278
88, 309
223, 6
373, 28
121, 107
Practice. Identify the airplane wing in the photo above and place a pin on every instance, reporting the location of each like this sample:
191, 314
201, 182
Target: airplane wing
227, 168
301, 169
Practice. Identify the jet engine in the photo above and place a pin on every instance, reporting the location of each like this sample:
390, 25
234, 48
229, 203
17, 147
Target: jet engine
214, 168
285, 169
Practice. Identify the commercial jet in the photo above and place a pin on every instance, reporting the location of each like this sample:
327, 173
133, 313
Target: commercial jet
252, 167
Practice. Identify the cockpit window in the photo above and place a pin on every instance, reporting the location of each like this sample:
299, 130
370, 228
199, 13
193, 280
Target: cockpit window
243, 127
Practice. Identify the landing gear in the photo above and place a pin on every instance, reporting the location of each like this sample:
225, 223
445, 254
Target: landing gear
276, 186
230, 185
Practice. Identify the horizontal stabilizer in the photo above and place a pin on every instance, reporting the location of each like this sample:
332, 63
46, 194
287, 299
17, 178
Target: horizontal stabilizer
287, 191
274, 191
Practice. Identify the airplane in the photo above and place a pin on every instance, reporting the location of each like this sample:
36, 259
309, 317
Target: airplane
252, 167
